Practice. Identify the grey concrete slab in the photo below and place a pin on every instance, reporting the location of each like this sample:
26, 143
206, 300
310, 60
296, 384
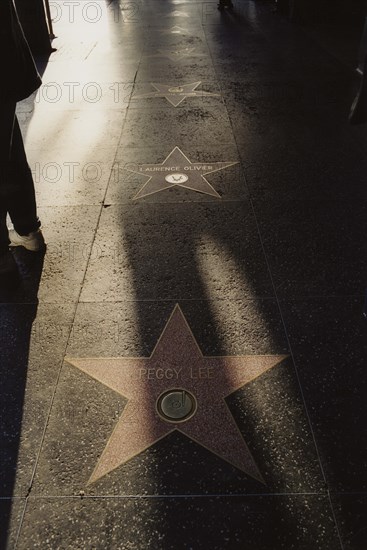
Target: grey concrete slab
162, 68
301, 130
71, 129
117, 56
256, 138
242, 70
228, 40
244, 46
176, 37
127, 179
209, 123
314, 248
73, 51
66, 178
329, 172
111, 62
33, 342
328, 340
220, 326
313, 151
286, 521
11, 512
151, 17
154, 15
90, 93
79, 24
210, 244
351, 513
266, 97
69, 234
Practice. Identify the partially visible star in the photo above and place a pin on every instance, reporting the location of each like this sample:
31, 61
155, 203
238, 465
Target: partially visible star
175, 94
176, 389
178, 171
174, 30
177, 13
177, 55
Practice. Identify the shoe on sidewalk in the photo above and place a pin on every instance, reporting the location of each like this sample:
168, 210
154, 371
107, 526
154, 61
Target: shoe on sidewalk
9, 275
225, 4
33, 241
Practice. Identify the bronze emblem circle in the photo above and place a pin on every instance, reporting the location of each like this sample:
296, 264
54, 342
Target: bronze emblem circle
176, 178
176, 405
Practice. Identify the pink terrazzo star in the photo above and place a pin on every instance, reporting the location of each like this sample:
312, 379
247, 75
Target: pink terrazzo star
176, 364
178, 171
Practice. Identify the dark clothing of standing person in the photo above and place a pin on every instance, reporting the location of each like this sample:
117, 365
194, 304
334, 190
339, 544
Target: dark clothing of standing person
17, 196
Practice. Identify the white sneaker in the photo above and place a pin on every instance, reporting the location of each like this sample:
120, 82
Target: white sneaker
33, 241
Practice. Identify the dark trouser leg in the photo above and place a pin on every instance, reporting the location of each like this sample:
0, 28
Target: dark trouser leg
21, 200
7, 113
4, 241
358, 112
282, 7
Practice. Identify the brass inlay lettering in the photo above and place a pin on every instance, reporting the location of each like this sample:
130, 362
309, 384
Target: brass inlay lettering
202, 373
200, 168
161, 373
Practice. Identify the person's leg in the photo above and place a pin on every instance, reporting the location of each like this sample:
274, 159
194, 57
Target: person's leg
7, 113
21, 200
8, 269
4, 239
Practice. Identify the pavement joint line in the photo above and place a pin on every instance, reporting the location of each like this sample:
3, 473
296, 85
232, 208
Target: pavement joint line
20, 523
169, 497
55, 385
289, 298
29, 491
75, 303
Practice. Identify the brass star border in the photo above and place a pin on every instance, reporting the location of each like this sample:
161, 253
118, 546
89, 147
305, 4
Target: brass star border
176, 13
176, 389
175, 94
178, 171
176, 29
177, 55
